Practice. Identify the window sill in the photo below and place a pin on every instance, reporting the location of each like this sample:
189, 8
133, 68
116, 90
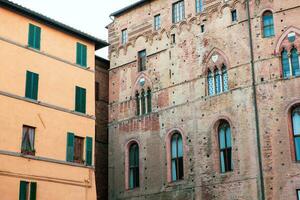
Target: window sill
216, 95
176, 183
136, 189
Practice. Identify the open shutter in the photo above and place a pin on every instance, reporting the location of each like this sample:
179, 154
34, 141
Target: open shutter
89, 150
77, 99
78, 54
83, 100
33, 190
70, 147
28, 84
23, 190
37, 37
35, 82
84, 55
31, 36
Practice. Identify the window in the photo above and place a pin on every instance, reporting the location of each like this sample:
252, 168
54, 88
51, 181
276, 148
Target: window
157, 22
32, 83
176, 157
28, 137
143, 102
225, 147
124, 36
178, 12
142, 60
97, 87
268, 24
173, 38
199, 6
233, 16
34, 37
80, 100
298, 194
75, 149
296, 131
134, 179
290, 63
27, 190
217, 81
81, 55
202, 27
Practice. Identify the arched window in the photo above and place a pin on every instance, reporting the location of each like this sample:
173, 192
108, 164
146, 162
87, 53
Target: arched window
285, 64
296, 131
137, 98
218, 79
134, 178
176, 157
225, 147
268, 24
199, 6
225, 78
149, 101
143, 102
211, 84
295, 62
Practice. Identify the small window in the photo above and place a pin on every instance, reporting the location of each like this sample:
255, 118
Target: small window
34, 37
178, 12
157, 22
268, 24
78, 150
142, 60
298, 194
124, 36
173, 38
28, 137
80, 100
32, 83
176, 157
81, 55
202, 28
199, 6
134, 179
233, 15
97, 87
27, 190
225, 148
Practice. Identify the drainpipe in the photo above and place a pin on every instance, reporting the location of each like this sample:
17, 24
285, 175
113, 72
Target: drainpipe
261, 175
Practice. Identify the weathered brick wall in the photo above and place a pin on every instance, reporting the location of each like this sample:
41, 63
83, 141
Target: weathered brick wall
101, 148
177, 75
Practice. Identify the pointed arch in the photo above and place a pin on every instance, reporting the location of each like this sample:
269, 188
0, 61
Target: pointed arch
221, 60
282, 42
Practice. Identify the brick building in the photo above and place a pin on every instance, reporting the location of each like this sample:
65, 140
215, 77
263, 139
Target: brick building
47, 102
204, 100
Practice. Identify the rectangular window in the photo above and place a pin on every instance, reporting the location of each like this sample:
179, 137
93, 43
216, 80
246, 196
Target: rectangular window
202, 27
32, 83
157, 23
298, 194
178, 12
199, 6
81, 54
27, 190
78, 149
173, 38
34, 37
80, 100
97, 91
233, 15
124, 36
28, 137
142, 60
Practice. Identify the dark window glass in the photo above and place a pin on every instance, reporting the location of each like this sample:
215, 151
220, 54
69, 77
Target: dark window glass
124, 36
178, 11
134, 180
295, 62
142, 60
143, 102
268, 24
157, 22
78, 149
199, 6
28, 137
298, 194
149, 101
296, 131
233, 15
97, 97
173, 39
137, 97
202, 27
225, 148
176, 157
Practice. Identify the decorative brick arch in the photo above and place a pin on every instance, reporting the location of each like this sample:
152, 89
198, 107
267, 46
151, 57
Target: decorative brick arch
138, 87
216, 58
169, 135
284, 43
127, 146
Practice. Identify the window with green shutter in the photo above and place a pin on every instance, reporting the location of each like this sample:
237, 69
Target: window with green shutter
27, 190
34, 37
81, 55
80, 100
32, 83
33, 186
70, 147
23, 190
89, 151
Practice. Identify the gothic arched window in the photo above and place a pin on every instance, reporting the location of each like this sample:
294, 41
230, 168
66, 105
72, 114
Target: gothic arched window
268, 24
225, 147
134, 178
176, 157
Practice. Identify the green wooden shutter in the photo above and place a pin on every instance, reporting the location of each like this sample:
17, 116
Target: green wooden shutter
37, 37
32, 82
77, 99
31, 36
89, 151
80, 99
28, 84
83, 100
84, 55
70, 147
23, 190
35, 86
33, 190
78, 54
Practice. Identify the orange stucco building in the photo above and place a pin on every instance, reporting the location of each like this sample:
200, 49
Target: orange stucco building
47, 117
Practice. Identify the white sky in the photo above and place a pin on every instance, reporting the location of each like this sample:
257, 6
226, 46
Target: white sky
90, 16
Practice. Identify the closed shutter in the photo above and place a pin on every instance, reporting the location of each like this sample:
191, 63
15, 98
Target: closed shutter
89, 150
31, 36
84, 55
78, 54
32, 81
33, 190
28, 84
80, 99
23, 190
83, 100
70, 147
35, 86
37, 37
